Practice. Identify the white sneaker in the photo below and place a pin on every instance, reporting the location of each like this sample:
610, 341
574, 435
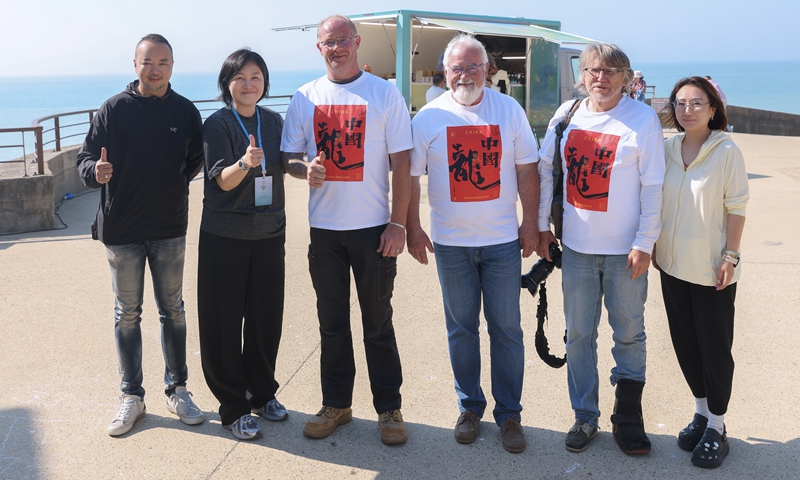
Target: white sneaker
131, 408
244, 428
180, 403
273, 411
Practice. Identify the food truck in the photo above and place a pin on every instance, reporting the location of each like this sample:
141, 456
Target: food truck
539, 67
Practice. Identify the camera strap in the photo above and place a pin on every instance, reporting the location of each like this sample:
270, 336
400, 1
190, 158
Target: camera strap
542, 347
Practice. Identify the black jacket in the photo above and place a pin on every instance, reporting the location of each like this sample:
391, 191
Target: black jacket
156, 147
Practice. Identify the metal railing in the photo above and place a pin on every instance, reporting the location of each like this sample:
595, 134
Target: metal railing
61, 130
39, 150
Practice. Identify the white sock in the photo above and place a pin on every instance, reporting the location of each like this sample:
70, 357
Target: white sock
717, 422
701, 406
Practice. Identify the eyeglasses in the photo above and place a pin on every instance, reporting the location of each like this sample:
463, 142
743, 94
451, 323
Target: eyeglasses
471, 69
608, 72
342, 42
695, 105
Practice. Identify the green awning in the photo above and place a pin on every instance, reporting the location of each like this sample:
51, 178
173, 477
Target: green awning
507, 30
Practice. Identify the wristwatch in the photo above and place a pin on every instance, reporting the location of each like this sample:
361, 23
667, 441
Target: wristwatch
242, 165
731, 257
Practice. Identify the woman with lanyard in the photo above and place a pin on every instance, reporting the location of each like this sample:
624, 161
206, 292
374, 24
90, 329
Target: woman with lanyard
241, 250
705, 200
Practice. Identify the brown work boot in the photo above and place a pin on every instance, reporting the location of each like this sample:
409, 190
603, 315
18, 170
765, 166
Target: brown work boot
467, 427
326, 420
512, 436
393, 428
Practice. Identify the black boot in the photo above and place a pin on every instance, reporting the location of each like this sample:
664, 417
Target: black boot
628, 424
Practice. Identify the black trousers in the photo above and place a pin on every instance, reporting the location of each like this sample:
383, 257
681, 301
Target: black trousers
701, 325
331, 256
236, 280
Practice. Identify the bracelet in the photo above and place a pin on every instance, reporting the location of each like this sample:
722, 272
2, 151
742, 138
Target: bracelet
731, 253
397, 225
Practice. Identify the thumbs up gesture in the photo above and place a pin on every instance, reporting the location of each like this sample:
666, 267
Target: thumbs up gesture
103, 168
316, 170
252, 158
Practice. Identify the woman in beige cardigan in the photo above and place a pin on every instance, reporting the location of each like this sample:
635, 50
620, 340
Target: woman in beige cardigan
705, 194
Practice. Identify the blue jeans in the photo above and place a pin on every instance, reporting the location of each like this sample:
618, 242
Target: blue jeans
586, 280
465, 274
166, 259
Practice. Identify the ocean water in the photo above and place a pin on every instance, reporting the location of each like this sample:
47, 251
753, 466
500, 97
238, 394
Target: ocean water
24, 99
755, 84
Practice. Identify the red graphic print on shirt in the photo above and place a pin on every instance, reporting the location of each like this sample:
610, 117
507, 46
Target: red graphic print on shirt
474, 157
589, 158
340, 134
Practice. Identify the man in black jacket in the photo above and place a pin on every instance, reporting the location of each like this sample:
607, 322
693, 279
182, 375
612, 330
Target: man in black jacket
142, 150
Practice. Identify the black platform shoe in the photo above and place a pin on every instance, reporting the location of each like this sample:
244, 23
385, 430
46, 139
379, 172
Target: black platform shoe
690, 436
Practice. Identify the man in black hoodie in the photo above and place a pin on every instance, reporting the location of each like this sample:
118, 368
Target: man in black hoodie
142, 150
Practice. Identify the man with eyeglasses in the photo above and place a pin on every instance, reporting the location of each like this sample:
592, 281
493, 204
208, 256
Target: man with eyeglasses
613, 167
352, 125
480, 154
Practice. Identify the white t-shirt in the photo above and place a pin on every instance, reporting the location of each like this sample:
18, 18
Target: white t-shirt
471, 154
433, 93
606, 159
358, 125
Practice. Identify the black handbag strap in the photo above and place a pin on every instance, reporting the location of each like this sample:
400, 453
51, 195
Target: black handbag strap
558, 189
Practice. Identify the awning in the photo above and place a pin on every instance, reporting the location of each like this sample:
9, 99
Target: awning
355, 19
507, 30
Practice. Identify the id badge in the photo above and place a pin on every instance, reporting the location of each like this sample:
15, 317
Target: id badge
263, 191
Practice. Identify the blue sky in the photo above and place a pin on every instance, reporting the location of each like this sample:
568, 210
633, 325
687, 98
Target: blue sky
79, 37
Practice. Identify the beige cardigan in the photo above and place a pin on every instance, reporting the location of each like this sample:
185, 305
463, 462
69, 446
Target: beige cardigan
695, 209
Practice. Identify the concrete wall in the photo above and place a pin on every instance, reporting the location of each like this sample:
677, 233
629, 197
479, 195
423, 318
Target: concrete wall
62, 168
28, 203
748, 120
763, 122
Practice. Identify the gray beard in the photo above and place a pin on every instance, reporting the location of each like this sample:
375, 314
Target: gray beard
467, 94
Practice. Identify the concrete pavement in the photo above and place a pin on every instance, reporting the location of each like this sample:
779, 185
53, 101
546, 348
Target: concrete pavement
59, 380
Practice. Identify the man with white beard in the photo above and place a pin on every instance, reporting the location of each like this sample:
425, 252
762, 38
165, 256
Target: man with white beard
480, 153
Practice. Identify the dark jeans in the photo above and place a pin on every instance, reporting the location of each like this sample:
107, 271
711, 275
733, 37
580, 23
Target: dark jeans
240, 279
701, 325
331, 256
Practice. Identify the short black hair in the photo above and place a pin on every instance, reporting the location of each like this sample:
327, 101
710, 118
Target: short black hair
720, 119
438, 79
234, 64
155, 38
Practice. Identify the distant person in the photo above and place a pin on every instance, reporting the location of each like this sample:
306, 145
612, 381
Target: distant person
144, 147
352, 125
705, 197
500, 82
719, 91
480, 154
436, 89
240, 266
613, 168
638, 86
